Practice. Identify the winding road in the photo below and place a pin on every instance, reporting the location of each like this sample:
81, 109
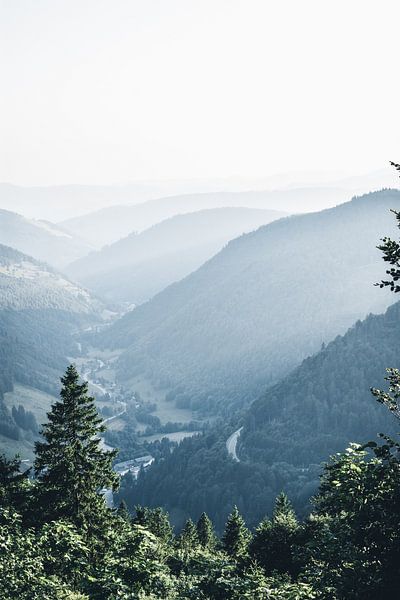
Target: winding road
231, 444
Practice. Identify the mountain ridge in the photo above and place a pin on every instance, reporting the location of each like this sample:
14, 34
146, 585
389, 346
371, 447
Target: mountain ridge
137, 267
40, 239
118, 221
235, 319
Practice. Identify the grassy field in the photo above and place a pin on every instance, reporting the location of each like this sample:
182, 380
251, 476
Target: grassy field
103, 354
116, 425
31, 399
166, 411
12, 447
106, 373
176, 436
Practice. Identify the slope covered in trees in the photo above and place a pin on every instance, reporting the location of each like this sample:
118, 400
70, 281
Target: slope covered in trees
287, 433
254, 311
41, 239
28, 283
59, 540
140, 265
39, 312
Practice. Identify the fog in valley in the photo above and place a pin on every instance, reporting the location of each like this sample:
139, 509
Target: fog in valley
198, 212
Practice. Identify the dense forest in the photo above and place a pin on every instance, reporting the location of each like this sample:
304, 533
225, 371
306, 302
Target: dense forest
59, 540
287, 433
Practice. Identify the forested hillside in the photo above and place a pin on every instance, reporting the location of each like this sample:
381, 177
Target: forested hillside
326, 402
60, 539
315, 411
41, 239
137, 267
254, 311
39, 312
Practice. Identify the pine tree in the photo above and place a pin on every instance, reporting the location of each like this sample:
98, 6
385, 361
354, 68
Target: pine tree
14, 485
156, 521
70, 465
123, 512
205, 532
391, 254
274, 540
236, 535
188, 539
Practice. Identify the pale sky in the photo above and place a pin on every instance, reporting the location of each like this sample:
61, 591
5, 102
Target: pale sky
112, 91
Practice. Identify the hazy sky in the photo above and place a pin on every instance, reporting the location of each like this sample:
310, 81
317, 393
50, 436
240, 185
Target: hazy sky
97, 91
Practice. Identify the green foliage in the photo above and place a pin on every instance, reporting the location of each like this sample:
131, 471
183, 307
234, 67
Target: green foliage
14, 485
390, 399
70, 465
23, 572
288, 432
154, 520
205, 532
187, 539
123, 511
356, 553
236, 536
274, 541
348, 549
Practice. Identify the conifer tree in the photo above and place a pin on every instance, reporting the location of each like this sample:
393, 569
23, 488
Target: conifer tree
155, 520
236, 535
123, 512
188, 539
274, 540
14, 484
70, 465
205, 532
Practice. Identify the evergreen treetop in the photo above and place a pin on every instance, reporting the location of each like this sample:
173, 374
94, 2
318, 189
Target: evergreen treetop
205, 532
236, 536
71, 467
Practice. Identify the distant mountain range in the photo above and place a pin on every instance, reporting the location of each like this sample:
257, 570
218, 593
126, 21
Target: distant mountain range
260, 306
41, 239
111, 224
61, 202
137, 267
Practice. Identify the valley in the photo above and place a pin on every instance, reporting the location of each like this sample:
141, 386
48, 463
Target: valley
135, 396
199, 300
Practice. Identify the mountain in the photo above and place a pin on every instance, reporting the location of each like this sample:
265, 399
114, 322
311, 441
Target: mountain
140, 265
60, 202
40, 311
41, 239
259, 307
326, 402
26, 283
312, 413
110, 224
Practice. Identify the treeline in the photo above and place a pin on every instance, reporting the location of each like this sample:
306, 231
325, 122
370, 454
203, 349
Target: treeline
198, 475
59, 540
